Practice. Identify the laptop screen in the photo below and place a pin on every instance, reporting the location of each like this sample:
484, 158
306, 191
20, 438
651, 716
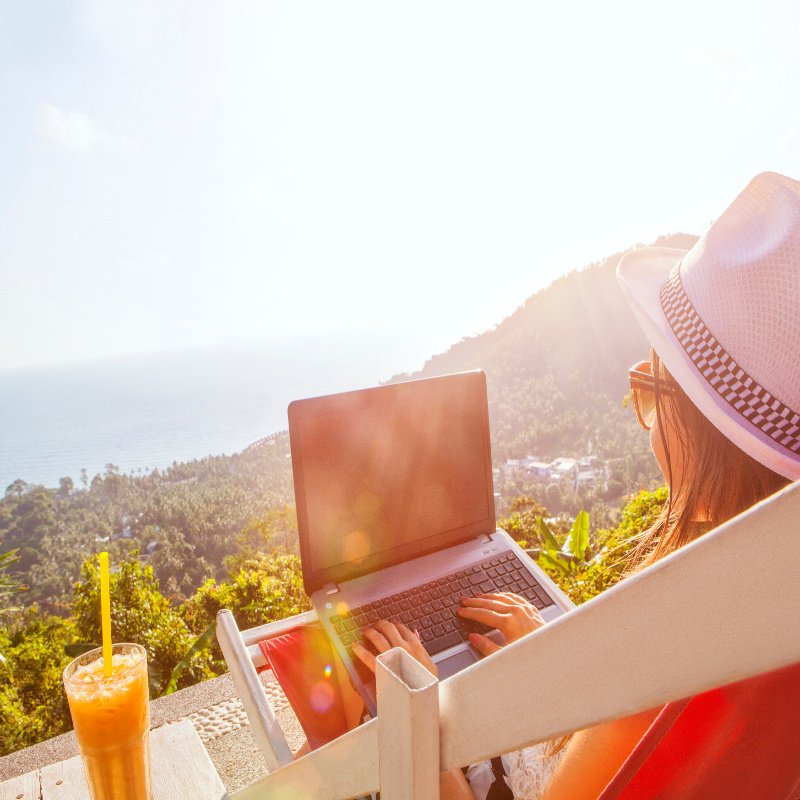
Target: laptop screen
386, 474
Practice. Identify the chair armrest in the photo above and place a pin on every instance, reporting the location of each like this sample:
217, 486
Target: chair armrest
267, 732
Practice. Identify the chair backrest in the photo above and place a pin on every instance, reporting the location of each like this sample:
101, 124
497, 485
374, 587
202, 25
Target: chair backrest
737, 742
308, 670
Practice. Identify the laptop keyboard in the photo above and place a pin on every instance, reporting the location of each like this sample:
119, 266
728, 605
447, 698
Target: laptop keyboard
431, 608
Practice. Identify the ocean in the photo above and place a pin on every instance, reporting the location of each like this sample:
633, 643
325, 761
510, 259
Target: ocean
147, 411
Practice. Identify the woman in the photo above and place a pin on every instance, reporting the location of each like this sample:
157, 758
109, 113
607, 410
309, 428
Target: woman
721, 400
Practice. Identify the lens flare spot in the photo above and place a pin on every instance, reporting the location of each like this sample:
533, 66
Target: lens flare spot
355, 546
328, 671
322, 697
342, 608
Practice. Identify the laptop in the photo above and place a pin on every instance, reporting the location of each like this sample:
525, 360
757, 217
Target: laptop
396, 517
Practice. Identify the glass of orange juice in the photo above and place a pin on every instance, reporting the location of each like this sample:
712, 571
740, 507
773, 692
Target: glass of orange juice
112, 721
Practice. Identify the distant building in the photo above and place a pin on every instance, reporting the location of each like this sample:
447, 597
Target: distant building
564, 468
564, 463
539, 469
587, 477
586, 471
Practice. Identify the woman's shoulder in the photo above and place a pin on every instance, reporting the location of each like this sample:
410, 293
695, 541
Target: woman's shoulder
594, 755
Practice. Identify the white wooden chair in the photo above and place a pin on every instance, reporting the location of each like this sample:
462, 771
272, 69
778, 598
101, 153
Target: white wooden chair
680, 627
244, 658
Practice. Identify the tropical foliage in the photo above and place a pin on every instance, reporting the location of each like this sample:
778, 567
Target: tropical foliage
184, 520
32, 702
583, 560
35, 647
8, 585
141, 614
179, 639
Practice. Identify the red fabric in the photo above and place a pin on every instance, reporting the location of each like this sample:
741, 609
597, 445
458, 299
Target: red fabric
308, 670
739, 742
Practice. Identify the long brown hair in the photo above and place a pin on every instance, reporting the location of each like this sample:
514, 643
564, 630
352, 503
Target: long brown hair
718, 480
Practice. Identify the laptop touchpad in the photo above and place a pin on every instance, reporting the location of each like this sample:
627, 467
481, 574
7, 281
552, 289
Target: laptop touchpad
449, 666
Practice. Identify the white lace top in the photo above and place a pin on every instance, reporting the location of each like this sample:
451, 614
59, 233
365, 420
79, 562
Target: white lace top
529, 772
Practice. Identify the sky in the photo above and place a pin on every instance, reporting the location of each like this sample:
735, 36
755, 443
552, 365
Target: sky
189, 174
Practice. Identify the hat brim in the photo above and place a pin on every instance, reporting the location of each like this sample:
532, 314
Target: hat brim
641, 274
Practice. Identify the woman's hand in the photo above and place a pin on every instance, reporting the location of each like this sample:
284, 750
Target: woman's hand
511, 614
384, 635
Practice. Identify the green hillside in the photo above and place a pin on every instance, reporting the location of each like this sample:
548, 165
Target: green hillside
557, 372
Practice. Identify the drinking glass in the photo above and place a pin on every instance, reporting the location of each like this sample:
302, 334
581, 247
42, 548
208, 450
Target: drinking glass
112, 721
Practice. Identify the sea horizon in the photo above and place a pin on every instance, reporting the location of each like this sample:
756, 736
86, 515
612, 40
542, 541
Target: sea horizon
148, 411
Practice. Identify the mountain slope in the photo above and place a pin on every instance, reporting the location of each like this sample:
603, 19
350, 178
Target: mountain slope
557, 367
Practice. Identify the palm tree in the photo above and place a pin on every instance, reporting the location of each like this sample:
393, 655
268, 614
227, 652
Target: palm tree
8, 584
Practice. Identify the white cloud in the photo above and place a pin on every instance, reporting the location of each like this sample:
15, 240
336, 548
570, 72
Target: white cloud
72, 130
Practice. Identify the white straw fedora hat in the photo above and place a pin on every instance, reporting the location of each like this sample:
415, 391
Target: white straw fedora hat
725, 319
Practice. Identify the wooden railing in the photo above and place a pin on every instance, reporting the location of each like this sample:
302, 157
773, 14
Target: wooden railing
712, 613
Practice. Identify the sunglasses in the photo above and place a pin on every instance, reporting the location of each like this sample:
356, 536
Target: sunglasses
643, 393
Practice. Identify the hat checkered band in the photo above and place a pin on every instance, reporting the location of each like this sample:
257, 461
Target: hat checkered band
723, 374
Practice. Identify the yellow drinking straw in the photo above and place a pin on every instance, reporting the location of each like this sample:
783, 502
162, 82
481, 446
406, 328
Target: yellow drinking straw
105, 613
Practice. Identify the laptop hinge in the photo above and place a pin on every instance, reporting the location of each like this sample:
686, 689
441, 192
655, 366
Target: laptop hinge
330, 588
483, 538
